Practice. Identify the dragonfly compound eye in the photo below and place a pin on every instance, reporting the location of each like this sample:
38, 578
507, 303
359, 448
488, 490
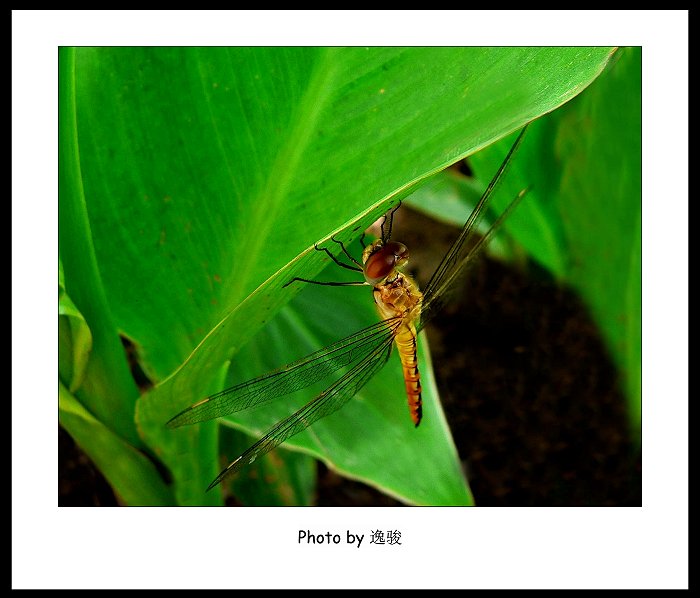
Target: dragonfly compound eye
382, 263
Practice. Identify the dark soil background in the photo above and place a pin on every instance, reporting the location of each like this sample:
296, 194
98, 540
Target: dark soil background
532, 398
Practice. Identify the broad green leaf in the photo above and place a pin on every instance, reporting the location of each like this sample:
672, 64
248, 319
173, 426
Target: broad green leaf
210, 172
132, 474
582, 218
600, 141
106, 386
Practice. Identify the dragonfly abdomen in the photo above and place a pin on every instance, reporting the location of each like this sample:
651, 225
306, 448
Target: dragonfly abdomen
407, 347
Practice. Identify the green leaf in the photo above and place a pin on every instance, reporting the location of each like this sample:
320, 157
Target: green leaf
209, 173
279, 478
372, 438
74, 338
601, 144
132, 475
106, 386
582, 217
448, 196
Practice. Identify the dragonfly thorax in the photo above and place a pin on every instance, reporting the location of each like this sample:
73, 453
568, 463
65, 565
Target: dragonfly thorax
382, 259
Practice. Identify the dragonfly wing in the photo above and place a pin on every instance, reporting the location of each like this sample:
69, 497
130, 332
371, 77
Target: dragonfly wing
465, 249
290, 378
329, 401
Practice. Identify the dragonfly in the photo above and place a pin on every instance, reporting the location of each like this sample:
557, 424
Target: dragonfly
403, 309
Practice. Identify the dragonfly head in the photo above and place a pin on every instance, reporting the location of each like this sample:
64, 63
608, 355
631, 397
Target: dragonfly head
381, 260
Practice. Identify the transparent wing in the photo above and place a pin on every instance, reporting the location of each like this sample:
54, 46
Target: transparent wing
292, 377
467, 246
329, 401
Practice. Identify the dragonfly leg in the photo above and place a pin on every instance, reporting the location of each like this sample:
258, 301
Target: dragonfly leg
336, 260
356, 268
362, 240
327, 283
347, 253
387, 235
